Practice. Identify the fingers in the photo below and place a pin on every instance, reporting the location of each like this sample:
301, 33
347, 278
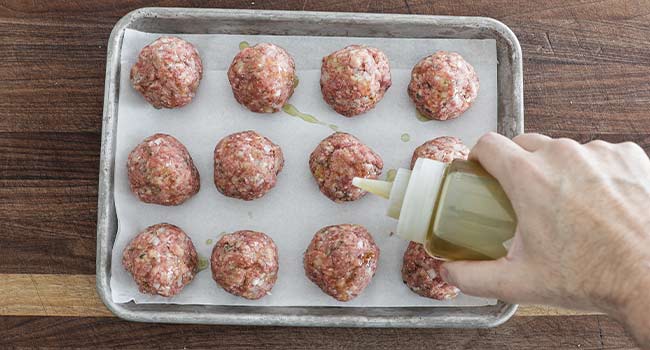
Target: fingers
488, 279
499, 156
531, 142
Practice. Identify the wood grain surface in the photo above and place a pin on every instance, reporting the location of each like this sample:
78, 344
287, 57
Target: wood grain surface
587, 73
76, 295
568, 332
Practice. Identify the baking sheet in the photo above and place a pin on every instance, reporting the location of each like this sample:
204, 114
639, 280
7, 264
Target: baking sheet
295, 209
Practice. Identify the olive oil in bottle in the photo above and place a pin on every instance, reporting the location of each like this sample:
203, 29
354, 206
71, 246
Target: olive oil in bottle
457, 210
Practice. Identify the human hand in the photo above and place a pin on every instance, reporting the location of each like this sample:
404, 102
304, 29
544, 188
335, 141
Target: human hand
583, 233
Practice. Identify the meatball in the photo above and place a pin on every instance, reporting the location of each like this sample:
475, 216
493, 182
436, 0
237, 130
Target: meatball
341, 260
443, 85
246, 165
354, 79
337, 160
161, 259
245, 263
443, 149
421, 273
167, 72
262, 77
161, 171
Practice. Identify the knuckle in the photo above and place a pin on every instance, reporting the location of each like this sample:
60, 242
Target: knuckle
521, 137
568, 149
487, 138
631, 147
485, 145
599, 144
565, 144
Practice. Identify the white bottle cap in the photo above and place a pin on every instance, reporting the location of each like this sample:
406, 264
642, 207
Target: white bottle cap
420, 199
412, 197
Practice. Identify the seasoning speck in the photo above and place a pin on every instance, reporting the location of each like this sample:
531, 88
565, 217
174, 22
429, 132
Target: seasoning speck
208, 241
405, 137
243, 45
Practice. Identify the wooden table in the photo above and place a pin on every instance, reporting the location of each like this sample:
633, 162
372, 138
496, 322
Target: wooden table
587, 76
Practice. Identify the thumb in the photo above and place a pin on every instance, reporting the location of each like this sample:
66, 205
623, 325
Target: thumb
489, 279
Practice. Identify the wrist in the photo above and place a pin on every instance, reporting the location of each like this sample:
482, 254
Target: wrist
618, 276
632, 307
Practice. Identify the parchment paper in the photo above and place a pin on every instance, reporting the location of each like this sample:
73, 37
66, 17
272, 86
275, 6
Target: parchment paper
295, 209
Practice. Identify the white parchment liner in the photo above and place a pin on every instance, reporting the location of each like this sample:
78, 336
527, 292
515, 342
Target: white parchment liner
294, 210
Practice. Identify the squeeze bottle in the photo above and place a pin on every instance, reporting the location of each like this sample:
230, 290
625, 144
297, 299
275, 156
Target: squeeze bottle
456, 210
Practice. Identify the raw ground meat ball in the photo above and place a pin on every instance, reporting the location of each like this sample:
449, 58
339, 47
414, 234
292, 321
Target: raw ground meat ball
245, 263
421, 273
246, 165
161, 259
337, 160
262, 77
167, 72
443, 149
354, 79
341, 260
443, 85
161, 171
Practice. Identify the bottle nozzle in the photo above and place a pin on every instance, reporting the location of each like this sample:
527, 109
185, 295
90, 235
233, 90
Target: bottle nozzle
378, 187
391, 190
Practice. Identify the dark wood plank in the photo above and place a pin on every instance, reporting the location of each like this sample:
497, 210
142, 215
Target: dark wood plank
48, 202
562, 332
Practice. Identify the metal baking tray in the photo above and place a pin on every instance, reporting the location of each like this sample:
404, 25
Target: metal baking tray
200, 21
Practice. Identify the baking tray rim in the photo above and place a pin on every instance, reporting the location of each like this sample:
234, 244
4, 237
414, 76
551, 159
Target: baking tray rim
105, 195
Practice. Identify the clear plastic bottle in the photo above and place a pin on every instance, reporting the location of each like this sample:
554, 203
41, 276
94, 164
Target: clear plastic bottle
457, 210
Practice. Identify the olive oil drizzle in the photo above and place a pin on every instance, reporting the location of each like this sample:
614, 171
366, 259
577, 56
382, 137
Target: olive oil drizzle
390, 175
294, 112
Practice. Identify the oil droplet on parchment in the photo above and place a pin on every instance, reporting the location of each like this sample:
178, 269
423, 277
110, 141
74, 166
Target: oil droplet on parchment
421, 117
203, 263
